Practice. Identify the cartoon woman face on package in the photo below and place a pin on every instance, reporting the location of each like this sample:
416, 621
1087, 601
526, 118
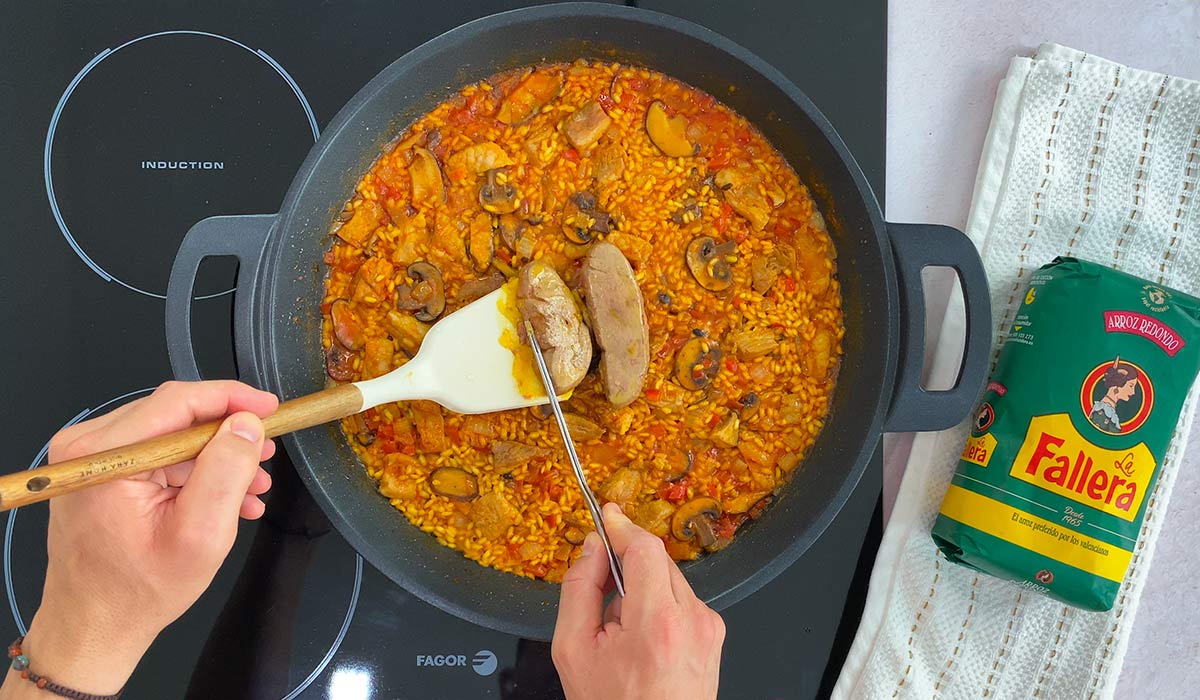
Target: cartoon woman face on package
1120, 384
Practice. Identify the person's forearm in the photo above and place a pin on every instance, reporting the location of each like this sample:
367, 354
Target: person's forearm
76, 650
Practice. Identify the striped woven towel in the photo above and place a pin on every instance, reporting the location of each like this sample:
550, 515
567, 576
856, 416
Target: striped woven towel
1088, 158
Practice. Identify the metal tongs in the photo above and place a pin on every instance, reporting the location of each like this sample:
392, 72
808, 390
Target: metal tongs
593, 505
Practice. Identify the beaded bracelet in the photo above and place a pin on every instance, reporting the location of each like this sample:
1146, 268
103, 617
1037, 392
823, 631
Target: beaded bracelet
20, 664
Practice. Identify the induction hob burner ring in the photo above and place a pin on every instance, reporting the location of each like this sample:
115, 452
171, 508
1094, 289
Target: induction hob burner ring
12, 596
337, 641
12, 514
62, 103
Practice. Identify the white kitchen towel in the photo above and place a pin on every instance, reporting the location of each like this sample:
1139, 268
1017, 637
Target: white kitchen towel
1083, 157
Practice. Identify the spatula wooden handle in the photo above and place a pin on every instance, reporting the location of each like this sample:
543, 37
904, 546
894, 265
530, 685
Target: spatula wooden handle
23, 488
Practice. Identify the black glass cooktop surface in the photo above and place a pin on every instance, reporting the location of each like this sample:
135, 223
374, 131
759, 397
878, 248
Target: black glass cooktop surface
123, 125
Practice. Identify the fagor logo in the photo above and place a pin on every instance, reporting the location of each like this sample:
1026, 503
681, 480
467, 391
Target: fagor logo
484, 662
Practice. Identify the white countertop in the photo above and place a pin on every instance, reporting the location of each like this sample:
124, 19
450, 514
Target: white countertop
945, 60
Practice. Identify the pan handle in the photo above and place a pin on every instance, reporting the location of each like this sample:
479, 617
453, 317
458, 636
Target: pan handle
243, 237
915, 247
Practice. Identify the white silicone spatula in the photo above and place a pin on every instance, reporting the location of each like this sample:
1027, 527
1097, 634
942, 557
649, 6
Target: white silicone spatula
462, 364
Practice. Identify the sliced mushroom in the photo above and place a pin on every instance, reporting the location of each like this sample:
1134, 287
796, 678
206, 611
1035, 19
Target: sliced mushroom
668, 133
681, 462
618, 316
576, 225
511, 228
481, 287
455, 483
541, 412
479, 241
426, 296
496, 196
426, 177
362, 432
507, 454
479, 158
750, 404
709, 262
694, 520
586, 125
686, 214
432, 138
347, 327
530, 95
725, 434
581, 217
339, 362
697, 363
603, 222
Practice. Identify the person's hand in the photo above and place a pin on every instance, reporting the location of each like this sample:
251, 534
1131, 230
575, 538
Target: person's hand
659, 642
128, 557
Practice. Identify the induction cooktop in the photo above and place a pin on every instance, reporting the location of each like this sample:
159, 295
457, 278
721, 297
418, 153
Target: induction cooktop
123, 126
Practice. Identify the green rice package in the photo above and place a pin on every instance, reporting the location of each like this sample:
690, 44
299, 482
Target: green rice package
1066, 445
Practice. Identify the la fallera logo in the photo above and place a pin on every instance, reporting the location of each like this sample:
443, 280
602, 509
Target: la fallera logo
1054, 456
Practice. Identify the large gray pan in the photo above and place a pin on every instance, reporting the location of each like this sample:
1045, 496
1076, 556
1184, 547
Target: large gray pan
280, 282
